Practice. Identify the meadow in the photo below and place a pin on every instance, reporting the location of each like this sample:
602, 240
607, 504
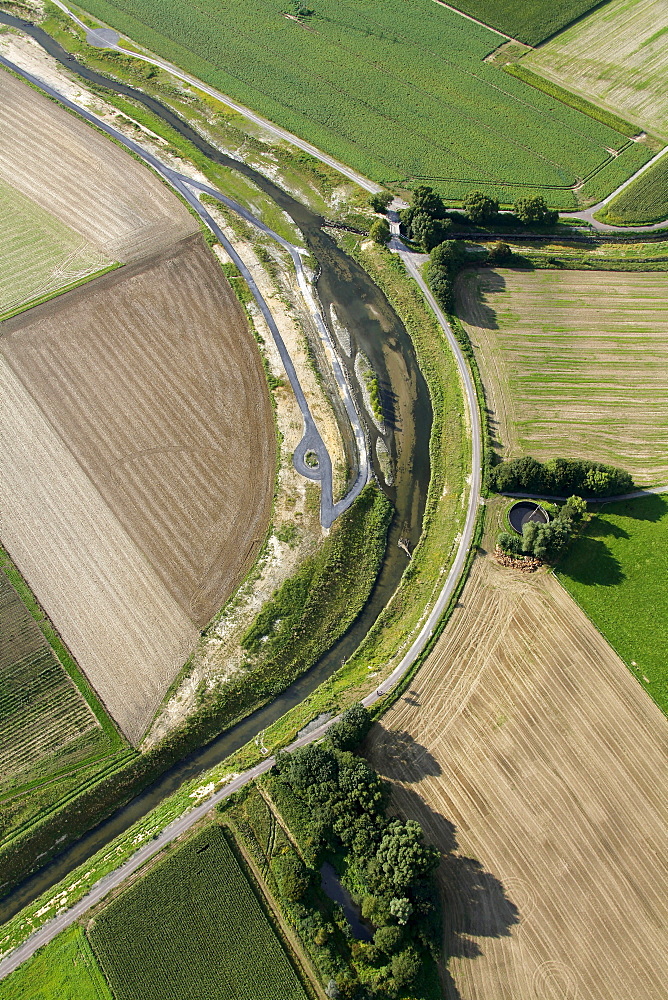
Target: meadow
617, 57
642, 202
616, 571
193, 926
530, 21
65, 969
399, 91
574, 364
39, 254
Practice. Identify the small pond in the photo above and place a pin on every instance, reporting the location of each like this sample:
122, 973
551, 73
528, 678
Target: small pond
523, 512
331, 886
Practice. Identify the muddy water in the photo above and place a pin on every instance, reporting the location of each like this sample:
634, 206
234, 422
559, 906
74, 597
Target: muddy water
375, 329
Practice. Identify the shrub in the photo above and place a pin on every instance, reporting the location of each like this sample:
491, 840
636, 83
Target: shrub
380, 231
499, 253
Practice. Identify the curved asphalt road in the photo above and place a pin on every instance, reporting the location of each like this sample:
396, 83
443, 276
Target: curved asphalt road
311, 439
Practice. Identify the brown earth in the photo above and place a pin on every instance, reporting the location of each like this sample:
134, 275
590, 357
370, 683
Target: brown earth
81, 177
143, 397
540, 767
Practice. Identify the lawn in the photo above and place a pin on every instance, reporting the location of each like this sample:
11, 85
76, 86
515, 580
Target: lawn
574, 364
193, 927
65, 969
399, 91
531, 21
617, 573
38, 254
617, 57
643, 202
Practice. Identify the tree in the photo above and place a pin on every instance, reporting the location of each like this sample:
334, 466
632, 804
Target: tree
380, 201
597, 481
534, 211
512, 544
401, 908
428, 232
446, 254
481, 208
292, 877
575, 508
388, 938
425, 199
351, 728
405, 967
380, 231
402, 858
499, 253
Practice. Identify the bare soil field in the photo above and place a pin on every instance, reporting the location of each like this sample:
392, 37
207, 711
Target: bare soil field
574, 363
42, 713
616, 57
84, 180
144, 397
540, 767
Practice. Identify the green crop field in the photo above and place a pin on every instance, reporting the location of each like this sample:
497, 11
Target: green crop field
617, 572
193, 927
617, 57
46, 725
397, 90
530, 21
642, 202
575, 364
65, 969
38, 254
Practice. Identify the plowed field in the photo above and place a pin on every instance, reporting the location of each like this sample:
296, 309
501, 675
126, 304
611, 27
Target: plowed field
575, 364
540, 766
84, 180
136, 466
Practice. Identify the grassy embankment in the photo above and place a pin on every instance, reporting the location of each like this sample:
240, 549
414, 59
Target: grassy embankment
616, 571
643, 202
444, 516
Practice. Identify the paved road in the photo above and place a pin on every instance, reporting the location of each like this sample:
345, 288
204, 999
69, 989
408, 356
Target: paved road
53, 927
101, 40
311, 439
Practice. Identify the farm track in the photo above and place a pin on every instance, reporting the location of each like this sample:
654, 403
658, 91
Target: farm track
526, 744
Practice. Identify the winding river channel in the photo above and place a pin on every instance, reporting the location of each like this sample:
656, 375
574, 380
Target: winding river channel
376, 330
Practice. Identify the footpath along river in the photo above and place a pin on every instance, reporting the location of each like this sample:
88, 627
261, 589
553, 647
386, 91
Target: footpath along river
376, 330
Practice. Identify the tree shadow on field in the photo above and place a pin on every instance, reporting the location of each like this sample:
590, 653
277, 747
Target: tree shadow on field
475, 288
474, 901
591, 562
651, 507
403, 758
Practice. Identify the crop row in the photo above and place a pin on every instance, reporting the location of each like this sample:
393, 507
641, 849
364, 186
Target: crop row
193, 922
398, 90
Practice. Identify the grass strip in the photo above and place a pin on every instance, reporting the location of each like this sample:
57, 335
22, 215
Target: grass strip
58, 291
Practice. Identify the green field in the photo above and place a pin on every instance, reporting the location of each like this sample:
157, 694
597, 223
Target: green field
641, 203
47, 726
617, 573
39, 255
530, 21
193, 927
397, 90
65, 969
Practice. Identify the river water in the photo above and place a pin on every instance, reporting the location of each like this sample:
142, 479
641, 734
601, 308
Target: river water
376, 330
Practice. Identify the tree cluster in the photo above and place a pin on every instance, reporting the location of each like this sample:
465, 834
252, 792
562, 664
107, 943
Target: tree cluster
387, 864
546, 541
445, 261
483, 210
558, 477
425, 221
380, 200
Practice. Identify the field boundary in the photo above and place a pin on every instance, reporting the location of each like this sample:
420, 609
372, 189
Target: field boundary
48, 296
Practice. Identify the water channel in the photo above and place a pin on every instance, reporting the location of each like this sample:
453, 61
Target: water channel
376, 330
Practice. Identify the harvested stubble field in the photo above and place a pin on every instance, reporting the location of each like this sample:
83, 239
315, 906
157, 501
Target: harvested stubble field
44, 720
540, 767
117, 206
617, 57
193, 927
574, 363
144, 397
398, 90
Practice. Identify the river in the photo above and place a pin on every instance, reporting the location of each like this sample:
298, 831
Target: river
376, 330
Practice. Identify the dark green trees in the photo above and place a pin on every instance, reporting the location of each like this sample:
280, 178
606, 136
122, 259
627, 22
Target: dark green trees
534, 211
481, 208
380, 231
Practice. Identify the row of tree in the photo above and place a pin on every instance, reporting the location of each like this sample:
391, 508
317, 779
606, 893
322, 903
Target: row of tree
546, 541
387, 864
559, 477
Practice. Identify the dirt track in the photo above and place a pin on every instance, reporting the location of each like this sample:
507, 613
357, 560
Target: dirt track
144, 398
540, 765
